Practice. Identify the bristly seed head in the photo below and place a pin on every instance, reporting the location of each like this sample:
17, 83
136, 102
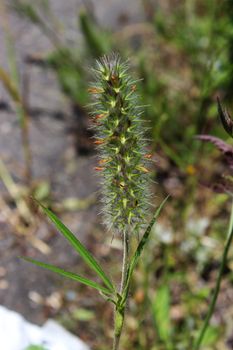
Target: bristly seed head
122, 149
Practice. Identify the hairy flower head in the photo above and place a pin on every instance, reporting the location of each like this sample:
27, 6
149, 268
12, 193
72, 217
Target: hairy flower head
121, 144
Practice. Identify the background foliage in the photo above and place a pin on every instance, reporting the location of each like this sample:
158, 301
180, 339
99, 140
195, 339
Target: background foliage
182, 53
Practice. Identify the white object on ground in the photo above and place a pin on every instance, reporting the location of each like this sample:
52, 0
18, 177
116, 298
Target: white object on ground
17, 334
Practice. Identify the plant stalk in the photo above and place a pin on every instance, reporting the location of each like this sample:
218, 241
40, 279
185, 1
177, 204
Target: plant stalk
25, 120
201, 335
120, 309
125, 261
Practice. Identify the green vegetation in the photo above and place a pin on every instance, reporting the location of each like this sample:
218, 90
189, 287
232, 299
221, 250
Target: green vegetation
182, 54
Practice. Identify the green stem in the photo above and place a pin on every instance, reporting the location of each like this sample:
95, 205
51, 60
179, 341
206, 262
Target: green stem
120, 309
218, 284
125, 261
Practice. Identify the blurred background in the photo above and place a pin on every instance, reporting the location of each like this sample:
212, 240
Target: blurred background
182, 51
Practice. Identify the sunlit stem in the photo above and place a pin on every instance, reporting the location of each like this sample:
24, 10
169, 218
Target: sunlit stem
120, 309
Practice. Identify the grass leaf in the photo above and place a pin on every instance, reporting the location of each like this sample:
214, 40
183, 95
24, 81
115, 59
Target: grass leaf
77, 245
69, 275
139, 250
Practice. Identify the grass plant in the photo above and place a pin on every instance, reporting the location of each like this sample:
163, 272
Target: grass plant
123, 160
192, 40
123, 163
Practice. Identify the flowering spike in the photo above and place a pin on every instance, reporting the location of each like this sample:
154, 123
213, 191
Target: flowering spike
121, 145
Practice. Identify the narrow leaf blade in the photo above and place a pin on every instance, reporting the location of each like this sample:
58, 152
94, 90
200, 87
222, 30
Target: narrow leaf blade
68, 274
79, 247
140, 247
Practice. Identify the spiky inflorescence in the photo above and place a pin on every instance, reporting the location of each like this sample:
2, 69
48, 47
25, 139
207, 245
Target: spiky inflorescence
121, 144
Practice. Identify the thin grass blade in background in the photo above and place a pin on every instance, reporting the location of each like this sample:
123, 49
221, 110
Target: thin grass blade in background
9, 86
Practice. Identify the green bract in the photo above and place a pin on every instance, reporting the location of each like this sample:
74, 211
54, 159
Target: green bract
120, 139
